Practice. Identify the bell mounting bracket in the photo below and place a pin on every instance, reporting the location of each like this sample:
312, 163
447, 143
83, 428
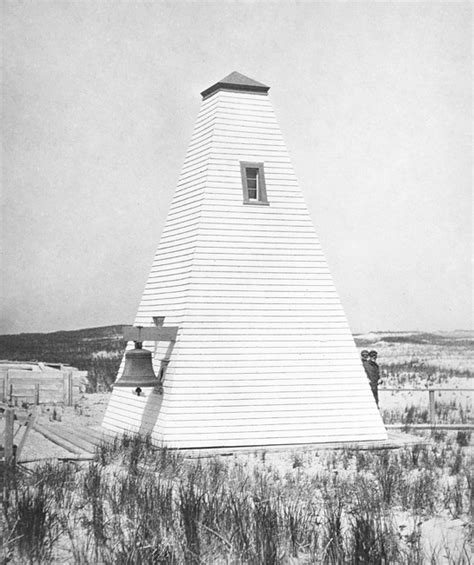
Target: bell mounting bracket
139, 334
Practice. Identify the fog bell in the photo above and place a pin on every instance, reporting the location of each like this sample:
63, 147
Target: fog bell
138, 369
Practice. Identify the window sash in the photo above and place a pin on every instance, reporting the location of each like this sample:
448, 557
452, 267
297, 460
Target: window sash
253, 183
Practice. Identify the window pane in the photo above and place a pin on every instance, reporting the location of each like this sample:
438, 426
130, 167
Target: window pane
252, 182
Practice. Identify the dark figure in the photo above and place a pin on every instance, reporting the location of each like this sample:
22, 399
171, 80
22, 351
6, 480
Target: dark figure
364, 357
373, 374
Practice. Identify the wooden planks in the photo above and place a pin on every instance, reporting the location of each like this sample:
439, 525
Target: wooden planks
64, 440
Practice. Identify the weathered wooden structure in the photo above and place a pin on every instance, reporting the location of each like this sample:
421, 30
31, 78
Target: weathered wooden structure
263, 354
39, 383
15, 427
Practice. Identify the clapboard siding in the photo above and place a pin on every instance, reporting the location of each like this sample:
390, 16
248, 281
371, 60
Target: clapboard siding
268, 387
265, 388
260, 240
208, 422
259, 226
180, 229
127, 411
216, 406
264, 354
230, 262
203, 269
282, 335
302, 326
213, 210
265, 398
234, 316
325, 387
276, 291
272, 277
262, 437
275, 349
241, 332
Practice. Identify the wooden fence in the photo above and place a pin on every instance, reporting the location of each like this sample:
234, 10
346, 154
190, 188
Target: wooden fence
35, 387
432, 419
14, 424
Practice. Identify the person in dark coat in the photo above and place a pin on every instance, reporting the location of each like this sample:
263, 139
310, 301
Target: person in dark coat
364, 357
373, 374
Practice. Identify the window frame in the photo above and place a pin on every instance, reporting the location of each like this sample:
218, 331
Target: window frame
261, 199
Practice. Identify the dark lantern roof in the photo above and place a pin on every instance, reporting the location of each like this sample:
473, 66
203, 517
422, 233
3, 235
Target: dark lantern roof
236, 81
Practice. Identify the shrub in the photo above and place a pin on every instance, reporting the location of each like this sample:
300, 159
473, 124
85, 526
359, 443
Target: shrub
36, 527
190, 507
463, 438
386, 470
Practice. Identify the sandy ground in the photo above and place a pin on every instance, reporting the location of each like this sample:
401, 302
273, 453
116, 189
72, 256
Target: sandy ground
440, 532
87, 412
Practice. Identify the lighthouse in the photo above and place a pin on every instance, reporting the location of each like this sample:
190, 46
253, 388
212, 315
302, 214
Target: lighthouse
261, 353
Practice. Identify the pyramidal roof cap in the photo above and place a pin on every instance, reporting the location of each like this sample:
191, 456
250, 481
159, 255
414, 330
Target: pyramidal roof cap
236, 81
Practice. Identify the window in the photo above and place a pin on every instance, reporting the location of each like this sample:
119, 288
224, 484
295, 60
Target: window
253, 183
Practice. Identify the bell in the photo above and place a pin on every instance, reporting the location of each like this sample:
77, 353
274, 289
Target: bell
138, 371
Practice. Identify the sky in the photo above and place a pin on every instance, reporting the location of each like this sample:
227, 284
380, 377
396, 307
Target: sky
99, 101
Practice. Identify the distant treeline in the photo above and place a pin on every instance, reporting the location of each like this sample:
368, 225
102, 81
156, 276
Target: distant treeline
99, 350
96, 350
417, 338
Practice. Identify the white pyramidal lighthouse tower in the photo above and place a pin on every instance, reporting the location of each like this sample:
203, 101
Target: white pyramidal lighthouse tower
263, 354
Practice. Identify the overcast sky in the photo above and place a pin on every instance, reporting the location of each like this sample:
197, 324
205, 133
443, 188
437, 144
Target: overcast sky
100, 100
